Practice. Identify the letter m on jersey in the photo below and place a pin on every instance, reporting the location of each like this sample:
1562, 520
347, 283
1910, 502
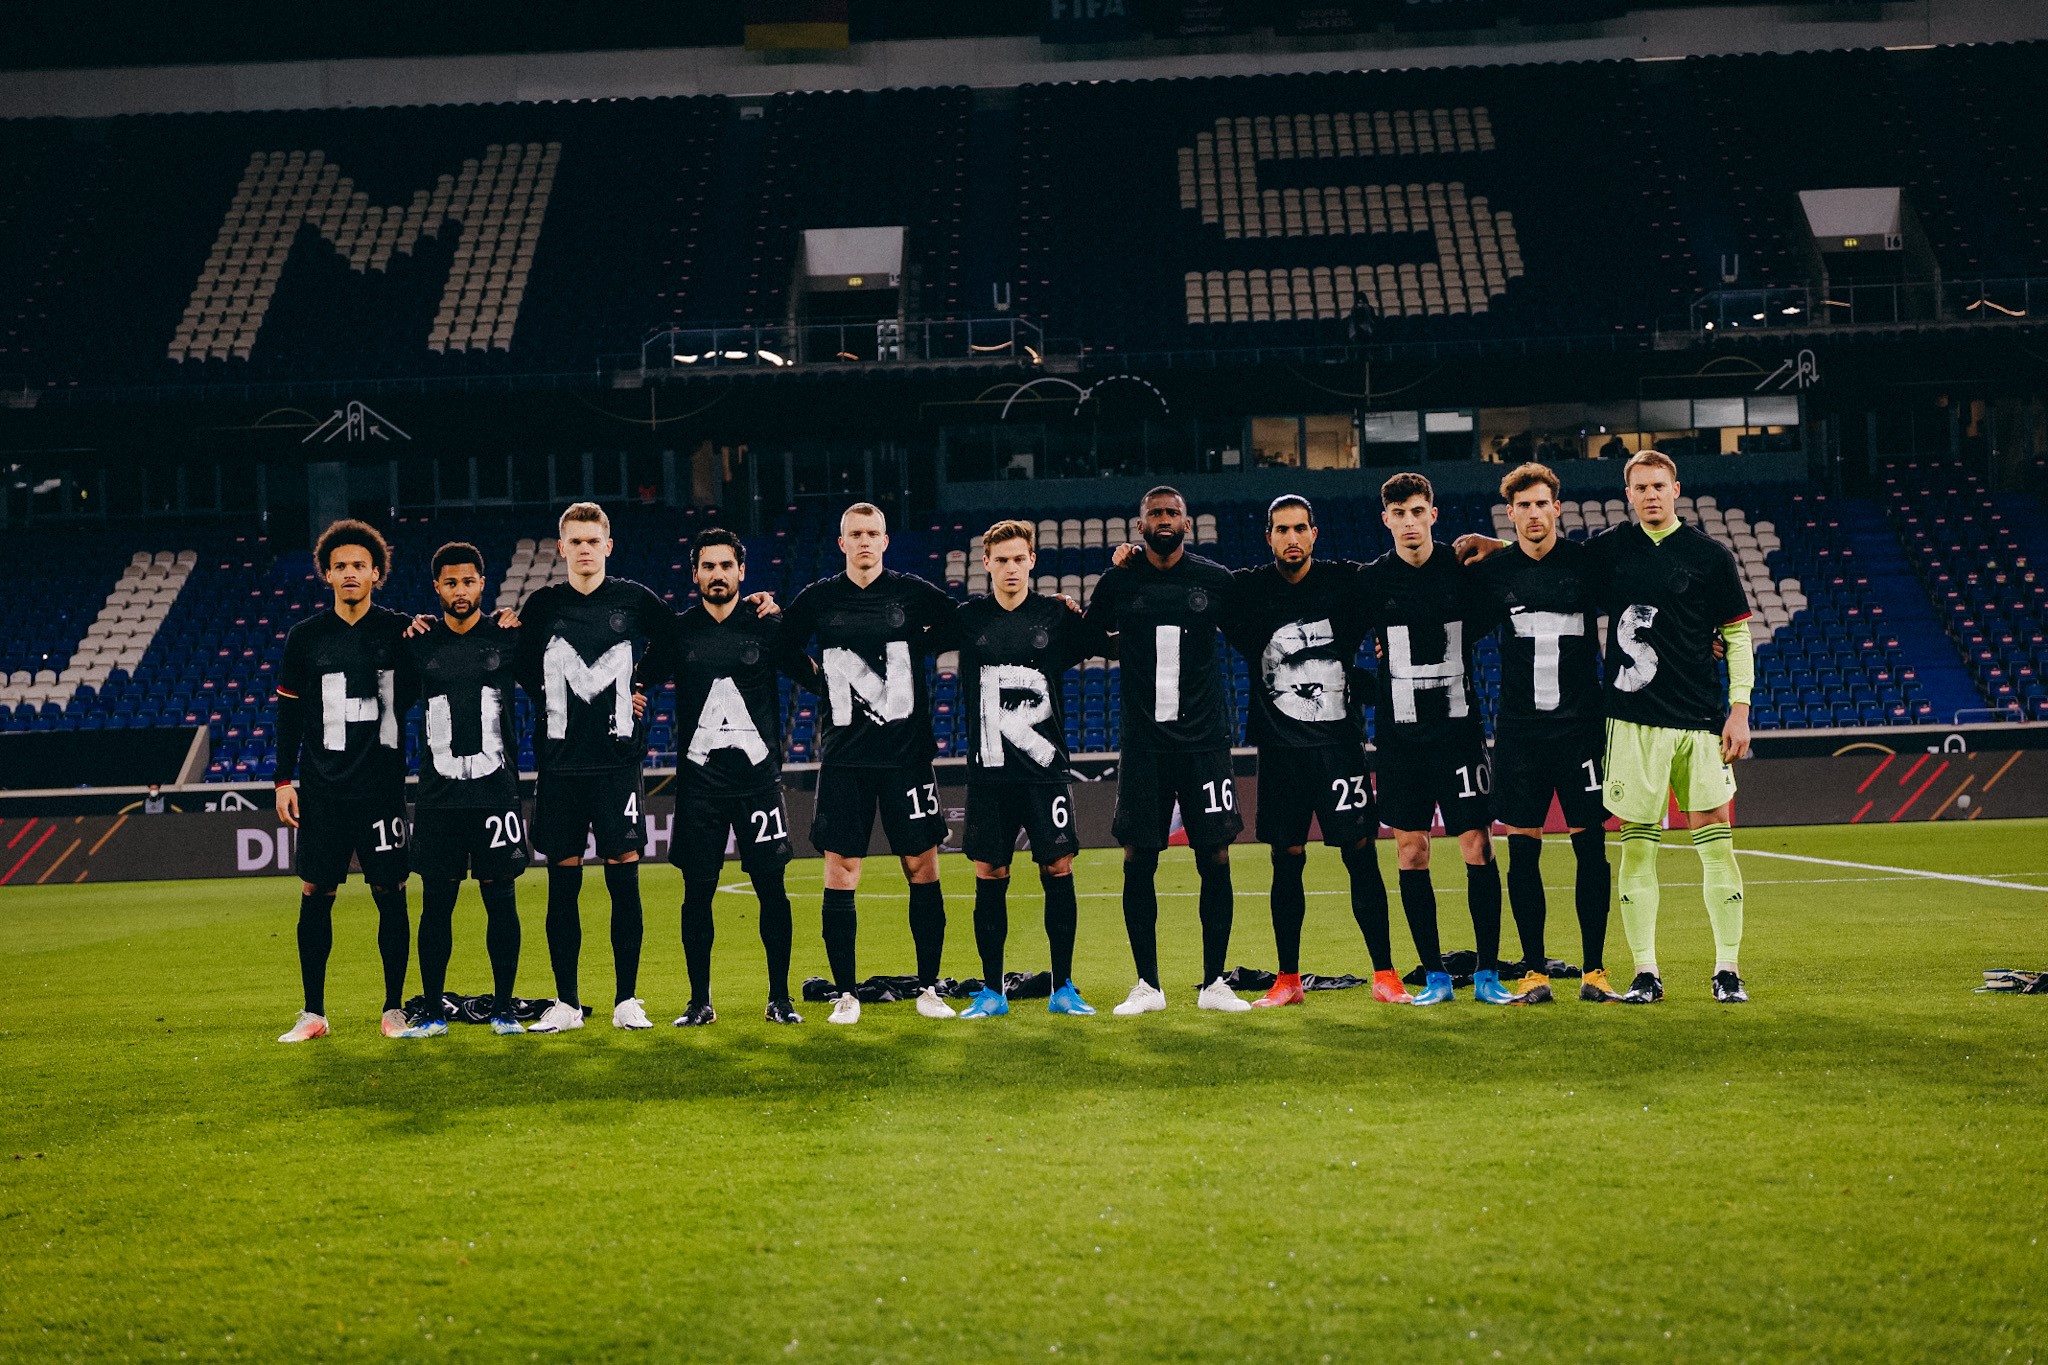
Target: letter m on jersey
498, 201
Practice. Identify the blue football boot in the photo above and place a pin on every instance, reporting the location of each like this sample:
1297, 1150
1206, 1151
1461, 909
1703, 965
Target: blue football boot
505, 1024
1067, 1000
1436, 991
986, 1005
1487, 990
427, 1028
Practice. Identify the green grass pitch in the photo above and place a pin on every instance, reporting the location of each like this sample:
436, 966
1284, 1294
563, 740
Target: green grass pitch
1853, 1166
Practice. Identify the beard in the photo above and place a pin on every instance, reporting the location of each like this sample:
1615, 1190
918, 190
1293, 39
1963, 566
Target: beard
718, 592
1164, 543
460, 608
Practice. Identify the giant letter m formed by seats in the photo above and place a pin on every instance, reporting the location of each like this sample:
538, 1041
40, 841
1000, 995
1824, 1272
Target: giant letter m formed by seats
499, 200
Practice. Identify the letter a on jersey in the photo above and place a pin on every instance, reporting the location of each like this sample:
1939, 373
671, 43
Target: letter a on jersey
848, 677
725, 723
1017, 722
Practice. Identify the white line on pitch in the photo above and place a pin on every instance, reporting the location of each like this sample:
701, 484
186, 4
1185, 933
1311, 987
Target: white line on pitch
1901, 871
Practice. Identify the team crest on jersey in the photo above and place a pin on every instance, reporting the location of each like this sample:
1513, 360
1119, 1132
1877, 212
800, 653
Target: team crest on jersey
491, 660
896, 616
1198, 600
618, 622
1040, 639
751, 655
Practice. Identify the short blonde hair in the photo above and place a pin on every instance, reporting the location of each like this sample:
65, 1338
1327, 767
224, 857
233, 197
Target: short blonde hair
583, 511
1009, 530
1652, 457
863, 509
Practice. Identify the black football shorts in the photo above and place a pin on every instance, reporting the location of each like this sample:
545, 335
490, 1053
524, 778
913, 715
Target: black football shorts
1415, 781
1148, 784
1530, 765
755, 823
849, 798
997, 812
448, 845
571, 810
1331, 784
335, 830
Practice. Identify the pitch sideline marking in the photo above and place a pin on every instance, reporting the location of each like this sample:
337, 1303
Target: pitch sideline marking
1903, 871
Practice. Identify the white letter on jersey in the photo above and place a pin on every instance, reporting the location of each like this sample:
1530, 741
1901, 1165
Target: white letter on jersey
1547, 629
441, 740
1014, 723
563, 671
848, 676
1410, 677
1631, 635
338, 710
725, 723
1309, 691
1166, 673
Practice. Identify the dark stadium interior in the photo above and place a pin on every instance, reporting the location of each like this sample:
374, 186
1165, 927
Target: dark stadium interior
1210, 280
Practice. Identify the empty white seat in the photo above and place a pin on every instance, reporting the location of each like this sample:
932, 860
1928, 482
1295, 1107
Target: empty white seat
949, 662
1070, 584
1070, 532
1048, 534
141, 557
1046, 584
44, 677
1114, 531
1088, 582
1705, 500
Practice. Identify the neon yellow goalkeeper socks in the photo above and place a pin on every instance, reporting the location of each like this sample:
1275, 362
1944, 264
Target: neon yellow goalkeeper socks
1722, 889
1639, 891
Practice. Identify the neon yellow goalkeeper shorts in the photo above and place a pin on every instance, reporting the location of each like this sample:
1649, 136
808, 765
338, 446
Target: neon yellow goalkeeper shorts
1646, 761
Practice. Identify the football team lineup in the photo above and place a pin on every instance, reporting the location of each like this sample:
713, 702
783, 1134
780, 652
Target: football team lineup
1658, 723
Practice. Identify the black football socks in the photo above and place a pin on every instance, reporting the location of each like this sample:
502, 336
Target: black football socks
437, 938
928, 929
501, 940
316, 941
698, 934
622, 880
1592, 892
1418, 903
991, 927
1141, 911
1482, 893
1218, 905
1290, 907
1061, 919
841, 924
394, 941
1369, 905
778, 929
565, 930
1526, 899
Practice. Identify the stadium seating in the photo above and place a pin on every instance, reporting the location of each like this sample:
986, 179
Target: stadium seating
1461, 204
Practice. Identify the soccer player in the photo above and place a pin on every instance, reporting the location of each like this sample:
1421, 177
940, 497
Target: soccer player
1430, 740
873, 627
1014, 645
1547, 739
1671, 730
578, 646
1671, 593
729, 773
1165, 607
345, 683
466, 812
1299, 622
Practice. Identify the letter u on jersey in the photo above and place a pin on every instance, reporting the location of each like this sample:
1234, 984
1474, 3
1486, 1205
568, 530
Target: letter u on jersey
441, 739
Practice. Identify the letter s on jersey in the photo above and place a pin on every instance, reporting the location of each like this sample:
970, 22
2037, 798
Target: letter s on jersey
1632, 634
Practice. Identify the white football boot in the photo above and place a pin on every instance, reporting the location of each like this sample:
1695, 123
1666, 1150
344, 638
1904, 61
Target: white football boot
1218, 996
560, 1017
1143, 999
931, 1007
306, 1028
631, 1014
395, 1023
845, 1010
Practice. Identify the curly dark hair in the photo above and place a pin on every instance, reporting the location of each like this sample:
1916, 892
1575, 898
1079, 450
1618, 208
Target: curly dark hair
349, 531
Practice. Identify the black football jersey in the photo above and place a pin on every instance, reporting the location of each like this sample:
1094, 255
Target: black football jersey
872, 645
1548, 611
352, 684
1166, 621
1665, 601
577, 653
469, 758
1301, 641
1010, 667
1424, 618
728, 711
